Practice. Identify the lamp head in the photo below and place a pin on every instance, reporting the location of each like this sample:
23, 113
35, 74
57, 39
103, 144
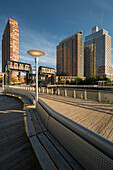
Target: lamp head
36, 53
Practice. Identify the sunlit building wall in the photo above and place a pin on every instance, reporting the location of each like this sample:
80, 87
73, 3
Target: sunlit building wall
103, 50
70, 56
10, 44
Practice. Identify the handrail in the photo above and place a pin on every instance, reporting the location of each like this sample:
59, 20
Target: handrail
94, 139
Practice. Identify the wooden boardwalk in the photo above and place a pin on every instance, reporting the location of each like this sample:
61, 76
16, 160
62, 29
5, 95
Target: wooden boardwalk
96, 116
15, 149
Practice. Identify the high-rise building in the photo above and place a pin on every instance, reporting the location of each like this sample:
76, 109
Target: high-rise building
102, 41
10, 44
90, 60
70, 56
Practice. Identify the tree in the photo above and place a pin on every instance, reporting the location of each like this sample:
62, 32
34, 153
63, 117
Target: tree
78, 80
1, 80
13, 80
67, 81
100, 78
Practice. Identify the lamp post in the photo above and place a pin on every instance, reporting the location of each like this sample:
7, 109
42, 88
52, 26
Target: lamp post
36, 54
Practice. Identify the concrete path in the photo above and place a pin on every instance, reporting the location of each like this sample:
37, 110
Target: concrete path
93, 115
15, 149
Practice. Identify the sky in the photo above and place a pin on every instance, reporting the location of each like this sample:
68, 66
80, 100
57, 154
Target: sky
44, 23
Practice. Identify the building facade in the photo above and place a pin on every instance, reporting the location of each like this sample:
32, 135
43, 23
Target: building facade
90, 60
102, 41
10, 54
70, 56
46, 75
10, 43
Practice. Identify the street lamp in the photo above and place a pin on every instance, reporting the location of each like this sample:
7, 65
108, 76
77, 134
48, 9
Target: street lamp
36, 54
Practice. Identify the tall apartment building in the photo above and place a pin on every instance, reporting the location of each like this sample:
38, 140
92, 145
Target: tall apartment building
90, 60
102, 41
70, 56
10, 44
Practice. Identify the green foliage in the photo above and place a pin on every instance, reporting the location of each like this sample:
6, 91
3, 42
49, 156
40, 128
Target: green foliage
78, 81
13, 80
93, 80
1, 80
61, 82
67, 82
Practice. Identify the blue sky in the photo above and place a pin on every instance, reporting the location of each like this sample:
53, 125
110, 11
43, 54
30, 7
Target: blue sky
44, 23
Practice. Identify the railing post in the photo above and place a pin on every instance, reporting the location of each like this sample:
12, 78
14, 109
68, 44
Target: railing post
52, 91
43, 90
39, 89
65, 92
81, 96
99, 96
58, 91
74, 93
85, 95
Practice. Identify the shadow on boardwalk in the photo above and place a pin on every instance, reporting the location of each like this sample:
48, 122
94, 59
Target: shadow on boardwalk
86, 104
15, 149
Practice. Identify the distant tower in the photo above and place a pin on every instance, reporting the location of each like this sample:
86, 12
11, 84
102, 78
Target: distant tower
70, 56
102, 41
95, 29
90, 60
10, 43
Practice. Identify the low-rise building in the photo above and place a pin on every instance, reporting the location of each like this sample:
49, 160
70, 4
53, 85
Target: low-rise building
64, 79
46, 75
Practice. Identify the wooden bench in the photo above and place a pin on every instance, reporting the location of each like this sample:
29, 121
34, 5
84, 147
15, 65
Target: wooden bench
50, 153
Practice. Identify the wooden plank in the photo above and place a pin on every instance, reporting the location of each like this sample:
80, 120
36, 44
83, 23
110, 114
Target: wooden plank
29, 125
35, 123
107, 131
72, 162
42, 156
14, 152
40, 121
57, 158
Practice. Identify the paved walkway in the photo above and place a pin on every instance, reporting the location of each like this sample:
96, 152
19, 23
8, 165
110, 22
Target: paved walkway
15, 149
93, 115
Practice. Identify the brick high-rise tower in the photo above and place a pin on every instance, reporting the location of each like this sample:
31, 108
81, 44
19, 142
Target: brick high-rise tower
70, 56
10, 43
